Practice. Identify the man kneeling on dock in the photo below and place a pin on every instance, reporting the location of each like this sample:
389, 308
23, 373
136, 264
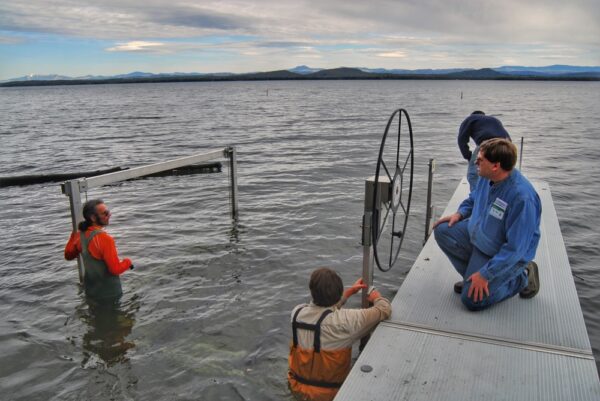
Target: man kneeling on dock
492, 238
323, 335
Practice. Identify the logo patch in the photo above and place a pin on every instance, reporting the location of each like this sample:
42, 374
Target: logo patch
498, 208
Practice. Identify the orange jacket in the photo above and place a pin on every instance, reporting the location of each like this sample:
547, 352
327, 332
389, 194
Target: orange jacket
102, 247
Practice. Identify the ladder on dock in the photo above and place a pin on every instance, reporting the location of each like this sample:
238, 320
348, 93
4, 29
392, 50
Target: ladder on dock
433, 348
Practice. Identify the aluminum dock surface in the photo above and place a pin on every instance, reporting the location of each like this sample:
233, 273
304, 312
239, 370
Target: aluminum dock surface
433, 348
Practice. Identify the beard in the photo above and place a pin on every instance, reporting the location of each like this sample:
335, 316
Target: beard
99, 220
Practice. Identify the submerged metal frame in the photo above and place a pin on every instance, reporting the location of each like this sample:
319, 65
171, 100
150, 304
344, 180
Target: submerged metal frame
74, 188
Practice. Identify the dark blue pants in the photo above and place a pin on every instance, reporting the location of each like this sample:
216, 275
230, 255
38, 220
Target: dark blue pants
467, 260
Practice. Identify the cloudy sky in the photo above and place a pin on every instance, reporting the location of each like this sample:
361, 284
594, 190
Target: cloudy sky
107, 37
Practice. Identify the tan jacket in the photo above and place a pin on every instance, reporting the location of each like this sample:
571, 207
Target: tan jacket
343, 327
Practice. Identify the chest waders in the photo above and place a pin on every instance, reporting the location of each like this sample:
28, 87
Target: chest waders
317, 374
98, 282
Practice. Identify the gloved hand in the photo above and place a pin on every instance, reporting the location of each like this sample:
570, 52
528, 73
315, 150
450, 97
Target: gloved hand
356, 287
373, 295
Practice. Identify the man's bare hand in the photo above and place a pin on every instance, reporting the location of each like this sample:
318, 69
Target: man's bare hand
356, 287
479, 286
452, 219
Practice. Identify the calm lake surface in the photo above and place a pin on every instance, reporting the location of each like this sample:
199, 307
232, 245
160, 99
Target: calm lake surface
205, 314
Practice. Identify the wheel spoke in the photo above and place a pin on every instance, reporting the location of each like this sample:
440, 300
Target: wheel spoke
387, 212
406, 161
397, 251
403, 208
386, 170
392, 240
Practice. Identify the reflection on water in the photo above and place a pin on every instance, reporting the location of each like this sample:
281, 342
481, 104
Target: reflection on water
108, 326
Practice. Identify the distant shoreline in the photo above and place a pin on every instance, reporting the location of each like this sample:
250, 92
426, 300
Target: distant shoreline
333, 74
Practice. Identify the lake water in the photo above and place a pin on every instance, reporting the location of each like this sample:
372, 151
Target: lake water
205, 314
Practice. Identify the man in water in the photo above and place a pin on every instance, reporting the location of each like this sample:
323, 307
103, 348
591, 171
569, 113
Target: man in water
479, 127
323, 334
492, 238
99, 253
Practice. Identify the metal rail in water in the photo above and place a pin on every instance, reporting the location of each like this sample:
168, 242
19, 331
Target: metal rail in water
432, 348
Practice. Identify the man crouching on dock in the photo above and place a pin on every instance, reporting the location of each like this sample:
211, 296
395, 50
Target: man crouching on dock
492, 238
323, 334
99, 253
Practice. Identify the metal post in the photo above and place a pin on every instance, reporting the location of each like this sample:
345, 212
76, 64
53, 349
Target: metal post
367, 264
231, 153
71, 189
521, 153
367, 270
429, 211
367, 240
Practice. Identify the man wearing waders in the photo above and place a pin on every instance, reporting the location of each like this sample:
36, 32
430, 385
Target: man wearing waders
323, 334
481, 128
99, 253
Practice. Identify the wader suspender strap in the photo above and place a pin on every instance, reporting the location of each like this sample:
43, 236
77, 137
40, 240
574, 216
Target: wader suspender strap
86, 241
316, 345
312, 327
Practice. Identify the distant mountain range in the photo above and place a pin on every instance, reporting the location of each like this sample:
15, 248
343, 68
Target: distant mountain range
509, 70
303, 72
131, 75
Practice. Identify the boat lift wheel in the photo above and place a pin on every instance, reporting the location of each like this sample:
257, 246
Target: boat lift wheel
399, 171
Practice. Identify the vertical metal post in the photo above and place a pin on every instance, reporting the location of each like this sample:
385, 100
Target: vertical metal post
429, 211
71, 189
383, 195
521, 154
367, 264
231, 153
367, 241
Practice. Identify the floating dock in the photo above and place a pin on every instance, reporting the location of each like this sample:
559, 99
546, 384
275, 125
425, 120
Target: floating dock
433, 348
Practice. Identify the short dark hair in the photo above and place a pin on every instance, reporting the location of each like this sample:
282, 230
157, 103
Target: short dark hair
326, 287
89, 209
478, 112
500, 150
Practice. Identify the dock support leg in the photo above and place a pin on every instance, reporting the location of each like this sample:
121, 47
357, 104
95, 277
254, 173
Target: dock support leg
429, 211
231, 153
521, 153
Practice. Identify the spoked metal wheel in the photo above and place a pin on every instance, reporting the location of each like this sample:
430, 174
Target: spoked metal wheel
395, 163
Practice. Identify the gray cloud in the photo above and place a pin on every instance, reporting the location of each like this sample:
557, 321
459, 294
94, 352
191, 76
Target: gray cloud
385, 29
533, 20
200, 20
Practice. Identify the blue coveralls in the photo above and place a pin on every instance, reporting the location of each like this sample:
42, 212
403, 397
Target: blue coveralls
481, 128
497, 237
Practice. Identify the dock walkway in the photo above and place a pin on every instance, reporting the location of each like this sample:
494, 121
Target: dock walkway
433, 348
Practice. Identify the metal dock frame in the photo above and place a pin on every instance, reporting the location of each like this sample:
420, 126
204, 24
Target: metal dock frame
74, 188
433, 348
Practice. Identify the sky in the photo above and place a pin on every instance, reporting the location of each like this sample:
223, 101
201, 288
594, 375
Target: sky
109, 37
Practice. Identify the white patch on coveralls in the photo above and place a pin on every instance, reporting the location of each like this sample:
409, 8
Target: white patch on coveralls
498, 208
